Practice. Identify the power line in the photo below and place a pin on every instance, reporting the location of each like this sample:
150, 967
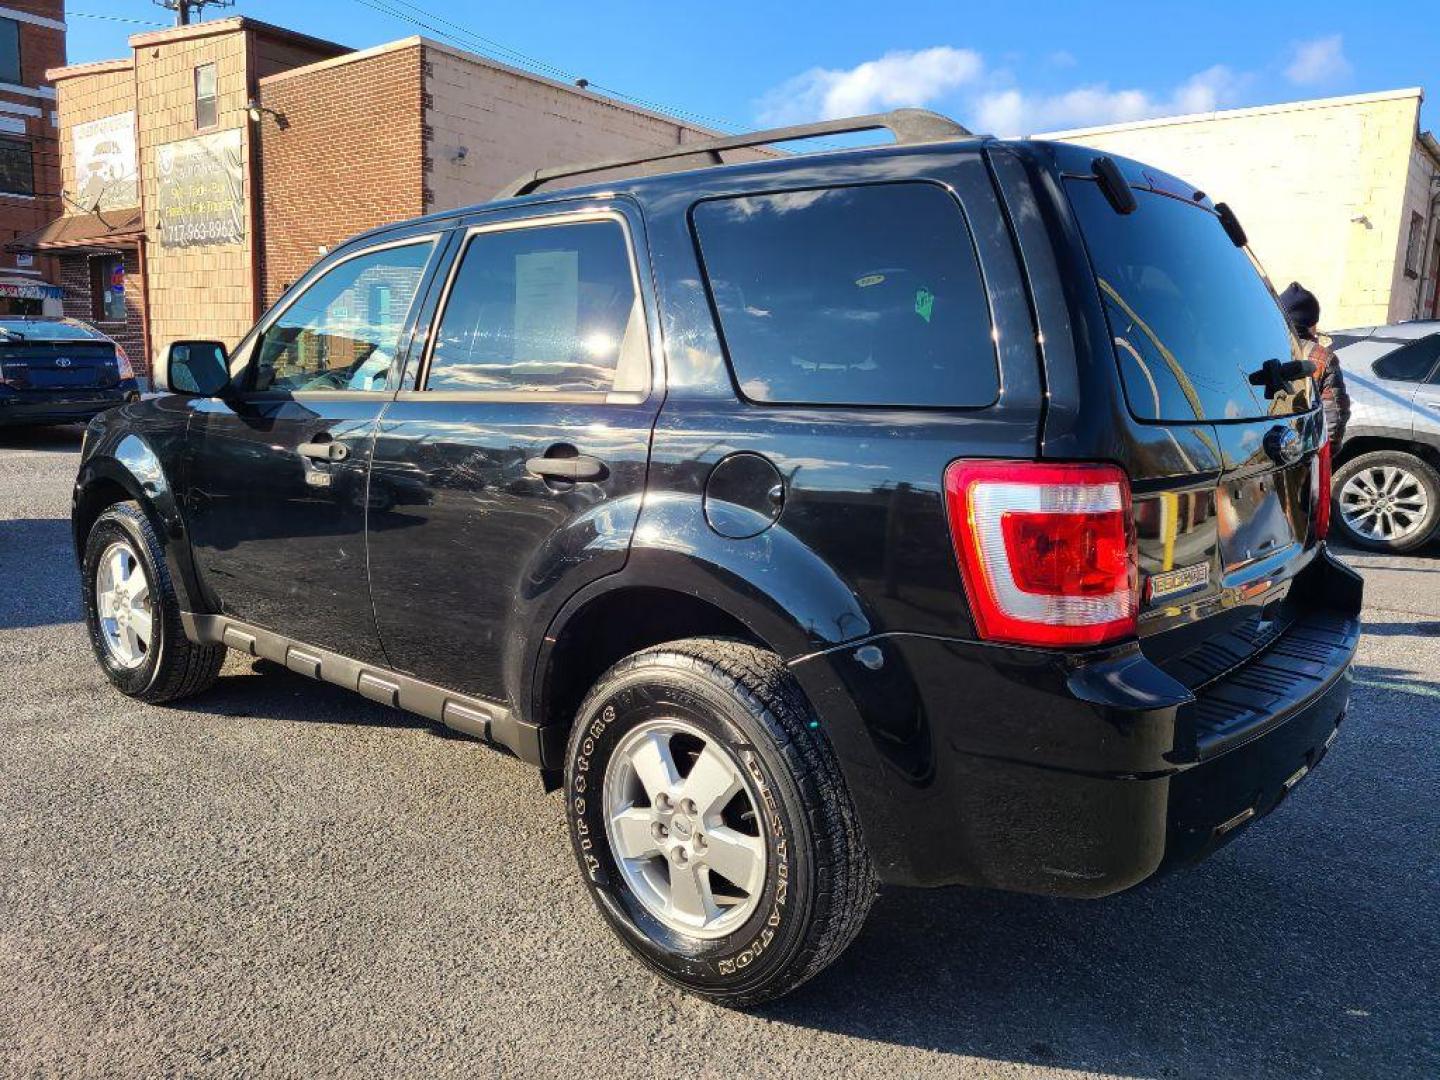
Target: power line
113, 18
469, 39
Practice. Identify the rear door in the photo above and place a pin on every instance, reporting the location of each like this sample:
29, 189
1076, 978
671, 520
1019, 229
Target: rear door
509, 470
1201, 347
1427, 396
1386, 371
278, 491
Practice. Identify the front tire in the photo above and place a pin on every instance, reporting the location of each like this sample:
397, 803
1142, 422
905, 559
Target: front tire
133, 615
1386, 500
711, 822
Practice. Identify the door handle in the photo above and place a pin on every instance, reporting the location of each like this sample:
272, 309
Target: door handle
324, 450
578, 467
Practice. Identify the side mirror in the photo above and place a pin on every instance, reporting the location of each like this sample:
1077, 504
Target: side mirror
197, 368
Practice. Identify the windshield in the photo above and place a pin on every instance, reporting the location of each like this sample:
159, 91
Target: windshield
1191, 319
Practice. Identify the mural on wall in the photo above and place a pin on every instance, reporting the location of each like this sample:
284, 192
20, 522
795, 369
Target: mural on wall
201, 194
105, 163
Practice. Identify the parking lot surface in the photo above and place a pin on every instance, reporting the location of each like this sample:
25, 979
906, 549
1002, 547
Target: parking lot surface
282, 878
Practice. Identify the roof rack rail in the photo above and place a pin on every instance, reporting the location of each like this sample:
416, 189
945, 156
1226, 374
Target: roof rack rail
907, 125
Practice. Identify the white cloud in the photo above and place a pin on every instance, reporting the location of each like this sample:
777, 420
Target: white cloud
1012, 111
1320, 60
895, 80
985, 98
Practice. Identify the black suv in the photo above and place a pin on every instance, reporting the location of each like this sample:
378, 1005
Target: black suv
945, 512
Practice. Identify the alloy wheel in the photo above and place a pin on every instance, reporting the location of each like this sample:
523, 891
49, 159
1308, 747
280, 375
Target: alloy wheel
683, 821
1384, 503
123, 603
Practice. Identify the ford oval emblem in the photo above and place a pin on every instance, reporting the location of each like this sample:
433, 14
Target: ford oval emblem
1284, 445
62, 361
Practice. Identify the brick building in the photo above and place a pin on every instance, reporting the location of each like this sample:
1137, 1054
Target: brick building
1342, 194
32, 41
211, 167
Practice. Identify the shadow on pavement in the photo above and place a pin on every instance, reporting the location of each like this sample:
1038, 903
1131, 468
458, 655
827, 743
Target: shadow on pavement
1305, 948
270, 691
43, 587
64, 437
1421, 627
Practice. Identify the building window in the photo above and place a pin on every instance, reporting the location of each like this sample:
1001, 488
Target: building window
17, 167
107, 288
1414, 246
206, 97
10, 51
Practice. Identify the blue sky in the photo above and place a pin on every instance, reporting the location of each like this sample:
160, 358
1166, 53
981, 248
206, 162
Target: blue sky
1010, 68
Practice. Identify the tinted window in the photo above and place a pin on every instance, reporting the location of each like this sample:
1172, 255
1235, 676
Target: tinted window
10, 52
342, 331
547, 308
17, 167
1410, 363
856, 296
1190, 316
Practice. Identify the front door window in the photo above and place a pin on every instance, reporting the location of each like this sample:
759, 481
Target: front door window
341, 333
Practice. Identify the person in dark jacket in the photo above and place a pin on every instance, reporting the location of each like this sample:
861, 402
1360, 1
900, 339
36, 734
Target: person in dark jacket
1303, 310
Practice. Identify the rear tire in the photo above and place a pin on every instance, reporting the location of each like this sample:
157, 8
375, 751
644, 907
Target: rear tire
1386, 500
133, 615
785, 908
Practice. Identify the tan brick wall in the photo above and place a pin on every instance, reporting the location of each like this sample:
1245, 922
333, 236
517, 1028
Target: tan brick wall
85, 96
194, 291
510, 123
347, 158
1298, 176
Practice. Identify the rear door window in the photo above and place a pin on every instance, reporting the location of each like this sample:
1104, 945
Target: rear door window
1191, 318
544, 308
1410, 363
850, 296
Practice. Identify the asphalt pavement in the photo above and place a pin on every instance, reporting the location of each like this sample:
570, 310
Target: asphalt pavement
281, 878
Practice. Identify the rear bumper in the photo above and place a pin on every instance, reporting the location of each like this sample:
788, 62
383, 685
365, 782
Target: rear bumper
1082, 775
62, 406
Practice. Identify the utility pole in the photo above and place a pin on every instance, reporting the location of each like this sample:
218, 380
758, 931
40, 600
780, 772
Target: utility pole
184, 8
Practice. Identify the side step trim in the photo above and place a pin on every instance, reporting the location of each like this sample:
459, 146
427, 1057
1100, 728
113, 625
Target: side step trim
480, 719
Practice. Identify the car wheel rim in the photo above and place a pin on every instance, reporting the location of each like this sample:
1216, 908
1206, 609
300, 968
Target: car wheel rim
683, 823
1384, 503
123, 604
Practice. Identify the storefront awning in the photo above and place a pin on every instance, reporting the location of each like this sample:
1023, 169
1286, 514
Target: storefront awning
116, 228
24, 289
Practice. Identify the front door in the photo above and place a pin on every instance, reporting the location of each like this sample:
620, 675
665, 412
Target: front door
512, 473
278, 490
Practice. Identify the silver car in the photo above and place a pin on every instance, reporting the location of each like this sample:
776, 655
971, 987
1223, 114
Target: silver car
1386, 489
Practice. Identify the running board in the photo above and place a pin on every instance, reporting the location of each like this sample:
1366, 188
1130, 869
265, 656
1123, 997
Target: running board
481, 719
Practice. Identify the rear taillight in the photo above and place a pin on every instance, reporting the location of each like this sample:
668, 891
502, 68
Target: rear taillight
123, 367
1047, 552
1321, 497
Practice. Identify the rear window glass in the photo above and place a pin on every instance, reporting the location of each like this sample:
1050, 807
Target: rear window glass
850, 296
1410, 363
15, 329
1190, 316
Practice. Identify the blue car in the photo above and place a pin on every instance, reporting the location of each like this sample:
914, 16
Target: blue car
60, 371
